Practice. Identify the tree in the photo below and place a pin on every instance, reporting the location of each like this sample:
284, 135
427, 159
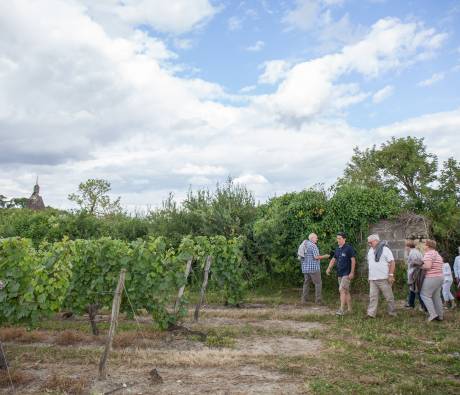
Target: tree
92, 197
401, 164
13, 203
3, 201
363, 170
449, 179
406, 162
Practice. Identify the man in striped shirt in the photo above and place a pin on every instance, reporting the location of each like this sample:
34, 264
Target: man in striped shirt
311, 269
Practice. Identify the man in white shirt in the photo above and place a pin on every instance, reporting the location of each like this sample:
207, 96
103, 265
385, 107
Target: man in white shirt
457, 268
381, 275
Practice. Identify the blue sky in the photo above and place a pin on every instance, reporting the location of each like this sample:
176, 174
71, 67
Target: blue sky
220, 52
157, 96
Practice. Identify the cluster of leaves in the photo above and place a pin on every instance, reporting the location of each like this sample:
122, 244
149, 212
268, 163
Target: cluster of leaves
76, 274
227, 271
287, 220
154, 273
400, 175
36, 280
405, 166
53, 225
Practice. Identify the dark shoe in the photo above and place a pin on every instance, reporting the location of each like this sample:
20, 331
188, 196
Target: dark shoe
370, 317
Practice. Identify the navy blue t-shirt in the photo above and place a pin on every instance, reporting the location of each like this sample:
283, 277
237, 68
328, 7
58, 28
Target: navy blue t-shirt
343, 257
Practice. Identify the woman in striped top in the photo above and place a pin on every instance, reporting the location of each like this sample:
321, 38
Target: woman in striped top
431, 289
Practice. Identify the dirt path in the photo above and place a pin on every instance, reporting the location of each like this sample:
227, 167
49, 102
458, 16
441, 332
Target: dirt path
252, 339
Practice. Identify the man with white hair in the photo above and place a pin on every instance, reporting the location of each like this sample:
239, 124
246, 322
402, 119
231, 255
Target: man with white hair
381, 275
311, 269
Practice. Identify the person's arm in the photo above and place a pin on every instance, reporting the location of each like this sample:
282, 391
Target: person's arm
331, 265
427, 263
391, 271
457, 269
316, 254
351, 276
319, 257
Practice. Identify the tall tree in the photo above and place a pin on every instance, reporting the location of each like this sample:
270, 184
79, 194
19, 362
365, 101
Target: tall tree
401, 163
92, 197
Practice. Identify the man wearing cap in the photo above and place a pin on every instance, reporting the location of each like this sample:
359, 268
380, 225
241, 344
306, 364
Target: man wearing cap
344, 256
381, 275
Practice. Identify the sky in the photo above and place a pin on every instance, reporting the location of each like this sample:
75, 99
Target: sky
157, 96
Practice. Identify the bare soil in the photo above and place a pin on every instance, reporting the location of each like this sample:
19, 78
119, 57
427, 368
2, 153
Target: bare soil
185, 364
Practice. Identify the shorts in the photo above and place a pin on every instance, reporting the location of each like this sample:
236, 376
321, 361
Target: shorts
344, 283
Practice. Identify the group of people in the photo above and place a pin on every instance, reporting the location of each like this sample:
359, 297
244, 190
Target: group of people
428, 276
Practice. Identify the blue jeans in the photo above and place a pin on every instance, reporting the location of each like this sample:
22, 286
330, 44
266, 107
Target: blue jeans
411, 300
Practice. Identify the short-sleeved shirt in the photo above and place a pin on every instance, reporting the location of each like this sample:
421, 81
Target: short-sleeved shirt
379, 270
436, 263
309, 263
343, 257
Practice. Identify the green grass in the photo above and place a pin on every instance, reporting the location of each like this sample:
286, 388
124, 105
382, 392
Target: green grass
386, 355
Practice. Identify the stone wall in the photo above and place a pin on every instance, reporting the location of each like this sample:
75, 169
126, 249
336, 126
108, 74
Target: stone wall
397, 231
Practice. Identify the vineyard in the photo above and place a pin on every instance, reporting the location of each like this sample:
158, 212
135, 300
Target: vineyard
80, 276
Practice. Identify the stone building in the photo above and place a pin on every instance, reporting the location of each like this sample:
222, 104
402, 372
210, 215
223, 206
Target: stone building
397, 231
35, 201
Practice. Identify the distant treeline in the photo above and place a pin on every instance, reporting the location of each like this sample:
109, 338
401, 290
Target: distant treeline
378, 183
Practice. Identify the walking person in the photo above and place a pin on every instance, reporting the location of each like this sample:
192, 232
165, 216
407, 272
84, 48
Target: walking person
457, 269
449, 300
434, 278
310, 264
414, 265
381, 275
345, 257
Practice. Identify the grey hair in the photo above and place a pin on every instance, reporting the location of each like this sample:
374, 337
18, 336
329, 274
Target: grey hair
374, 237
310, 236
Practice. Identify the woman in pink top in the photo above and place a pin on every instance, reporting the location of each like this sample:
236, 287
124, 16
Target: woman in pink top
434, 277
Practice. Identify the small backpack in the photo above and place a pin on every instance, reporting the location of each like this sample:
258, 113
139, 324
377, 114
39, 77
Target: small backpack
301, 250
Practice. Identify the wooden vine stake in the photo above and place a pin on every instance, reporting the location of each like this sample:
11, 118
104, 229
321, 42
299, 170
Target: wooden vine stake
3, 361
113, 325
181, 290
203, 287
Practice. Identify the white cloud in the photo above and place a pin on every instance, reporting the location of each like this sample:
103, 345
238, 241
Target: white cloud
436, 77
440, 131
274, 71
81, 99
312, 88
183, 43
234, 23
256, 47
248, 88
303, 16
383, 94
251, 179
171, 16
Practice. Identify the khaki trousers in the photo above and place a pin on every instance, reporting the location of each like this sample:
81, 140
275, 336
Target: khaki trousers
375, 287
314, 278
431, 296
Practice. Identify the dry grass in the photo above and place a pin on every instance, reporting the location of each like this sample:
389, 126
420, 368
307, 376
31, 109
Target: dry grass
143, 339
294, 314
66, 384
197, 358
20, 335
18, 377
71, 337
